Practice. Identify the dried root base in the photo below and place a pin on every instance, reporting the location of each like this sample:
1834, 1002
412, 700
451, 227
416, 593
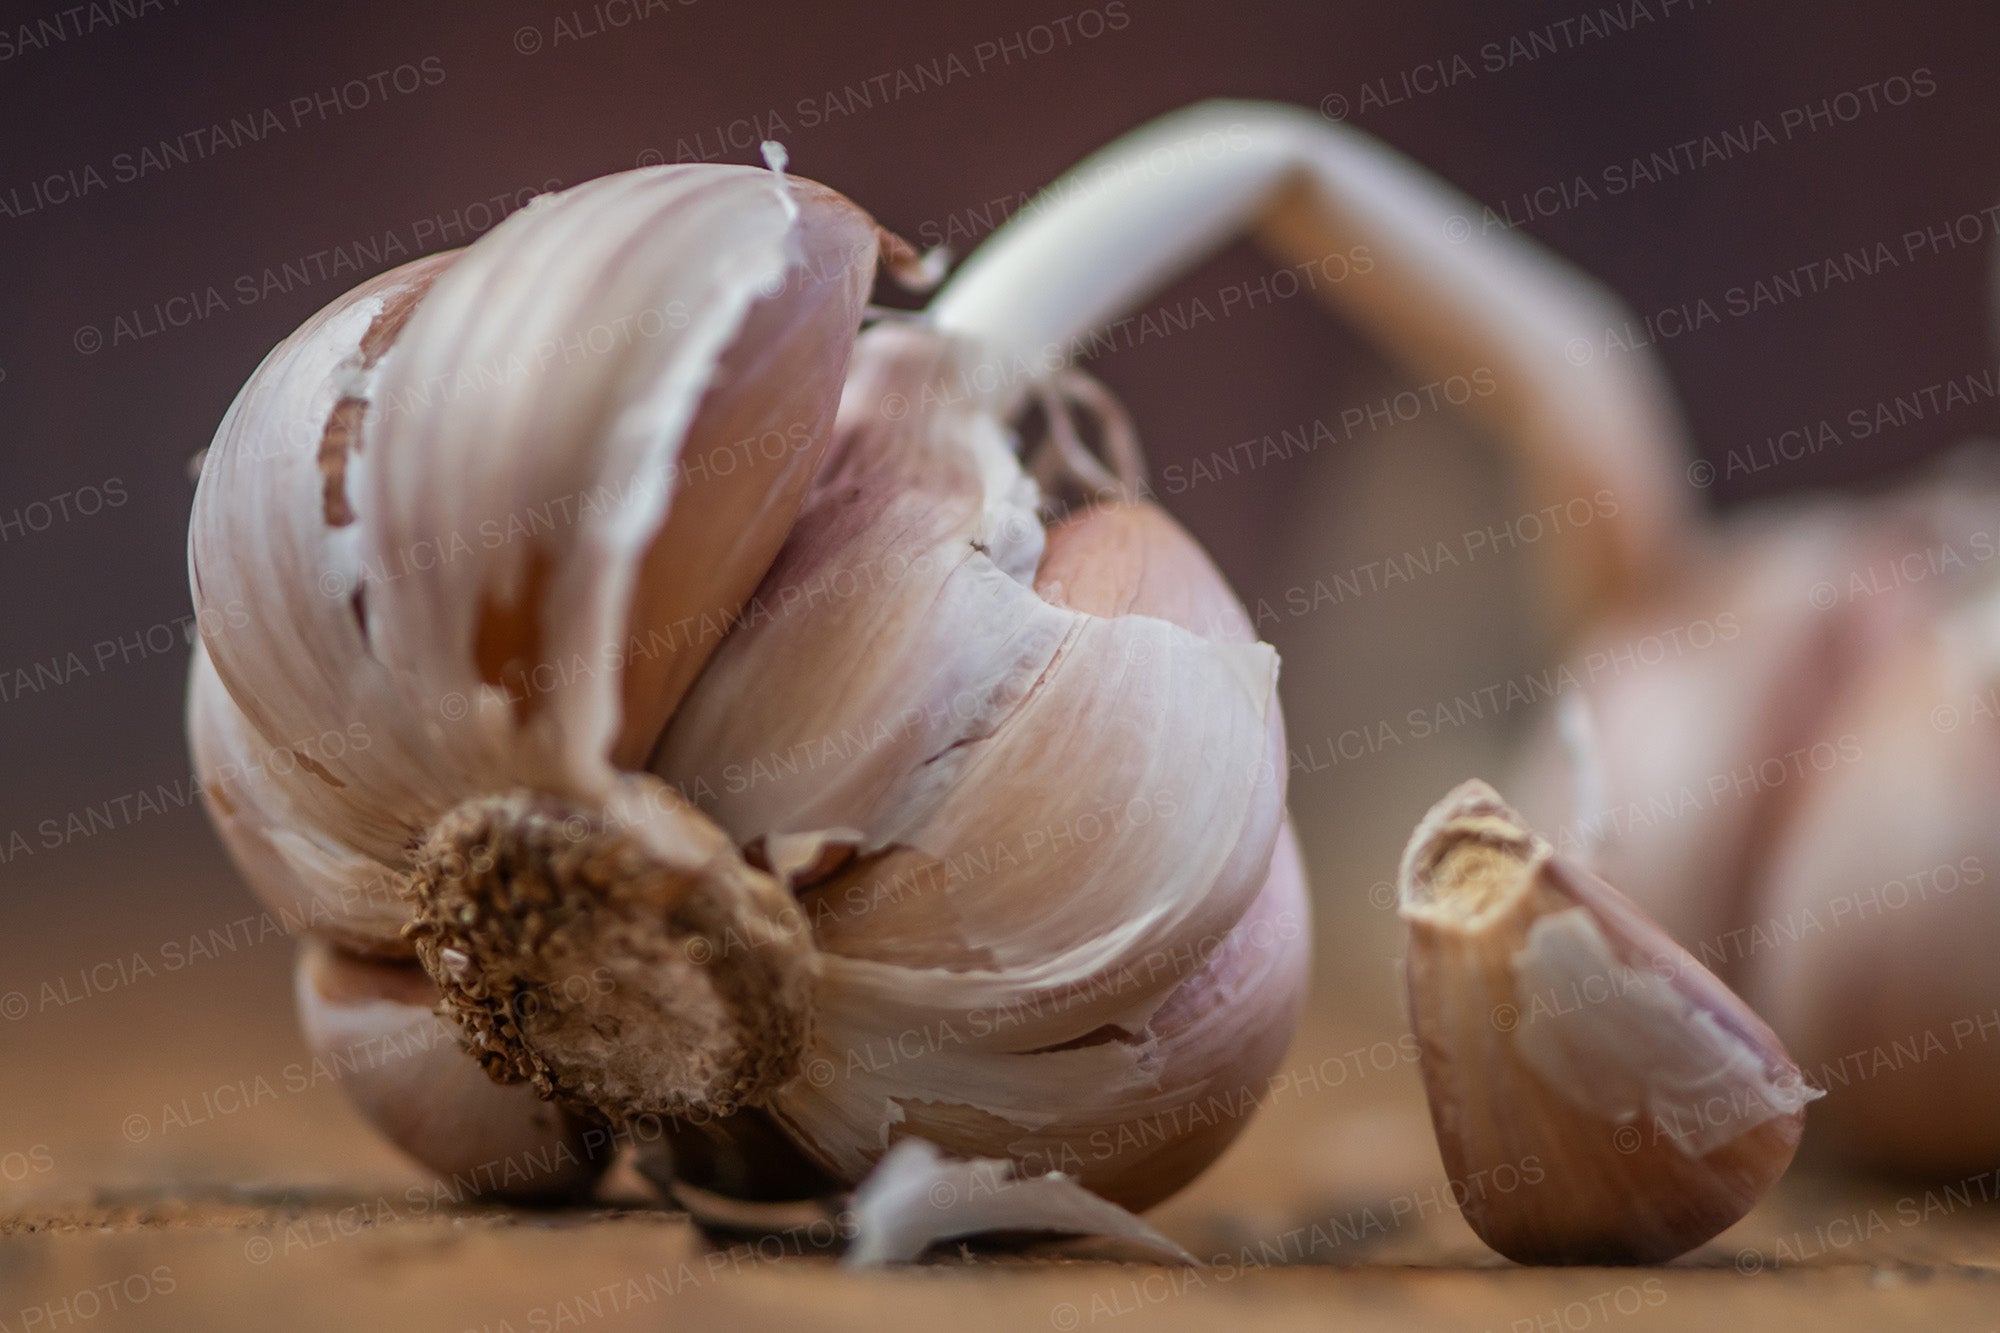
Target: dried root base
574, 959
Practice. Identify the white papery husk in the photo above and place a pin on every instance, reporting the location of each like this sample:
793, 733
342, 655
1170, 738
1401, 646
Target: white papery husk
916, 1198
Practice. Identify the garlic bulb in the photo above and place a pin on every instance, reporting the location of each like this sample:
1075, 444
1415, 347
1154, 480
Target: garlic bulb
726, 759
1800, 772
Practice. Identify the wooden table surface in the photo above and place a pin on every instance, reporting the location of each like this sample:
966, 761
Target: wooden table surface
167, 1162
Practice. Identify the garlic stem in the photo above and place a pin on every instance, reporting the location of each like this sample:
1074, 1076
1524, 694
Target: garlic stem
1444, 292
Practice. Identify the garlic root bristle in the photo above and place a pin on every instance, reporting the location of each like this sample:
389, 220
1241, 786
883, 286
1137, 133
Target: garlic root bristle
574, 959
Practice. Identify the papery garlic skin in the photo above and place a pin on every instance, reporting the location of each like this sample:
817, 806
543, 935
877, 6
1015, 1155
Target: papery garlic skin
1038, 861
517, 505
1598, 1096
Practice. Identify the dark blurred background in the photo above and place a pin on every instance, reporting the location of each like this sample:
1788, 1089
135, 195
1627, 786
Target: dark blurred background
146, 264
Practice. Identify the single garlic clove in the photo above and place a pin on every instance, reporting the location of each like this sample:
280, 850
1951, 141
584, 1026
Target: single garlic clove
374, 1025
1872, 944
1598, 1096
314, 718
599, 425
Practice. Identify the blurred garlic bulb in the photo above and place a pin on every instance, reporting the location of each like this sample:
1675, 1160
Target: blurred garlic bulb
1796, 727
726, 718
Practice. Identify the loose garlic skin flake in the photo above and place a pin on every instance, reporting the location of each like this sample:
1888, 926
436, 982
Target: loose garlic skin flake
613, 612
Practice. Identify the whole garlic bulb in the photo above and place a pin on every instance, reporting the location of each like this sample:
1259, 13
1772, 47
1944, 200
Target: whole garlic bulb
727, 720
1797, 739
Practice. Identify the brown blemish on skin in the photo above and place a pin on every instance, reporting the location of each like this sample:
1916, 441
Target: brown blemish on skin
507, 638
342, 435
317, 769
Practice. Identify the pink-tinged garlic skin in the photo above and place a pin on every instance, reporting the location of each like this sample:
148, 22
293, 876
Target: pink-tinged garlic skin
375, 1025
1058, 811
1732, 666
1880, 915
311, 738
578, 500
1599, 1097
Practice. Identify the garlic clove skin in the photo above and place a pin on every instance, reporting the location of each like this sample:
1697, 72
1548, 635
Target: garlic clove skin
307, 878
1035, 810
1598, 1096
539, 420
374, 1023
429, 562
1879, 915
309, 716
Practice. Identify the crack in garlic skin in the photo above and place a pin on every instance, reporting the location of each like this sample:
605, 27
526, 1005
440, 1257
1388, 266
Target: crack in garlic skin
886, 575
